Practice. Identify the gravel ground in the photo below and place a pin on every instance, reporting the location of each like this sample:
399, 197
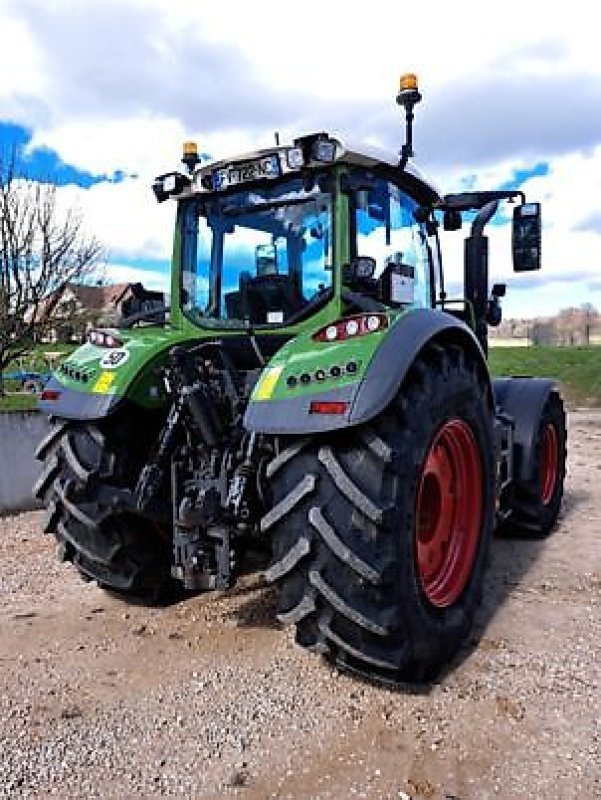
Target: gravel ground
209, 699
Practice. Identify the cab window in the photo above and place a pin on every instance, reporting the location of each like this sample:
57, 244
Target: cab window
385, 229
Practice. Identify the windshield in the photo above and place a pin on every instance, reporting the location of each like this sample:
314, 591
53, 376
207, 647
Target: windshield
260, 256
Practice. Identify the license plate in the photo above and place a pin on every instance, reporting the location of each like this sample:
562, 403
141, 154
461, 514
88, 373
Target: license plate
267, 167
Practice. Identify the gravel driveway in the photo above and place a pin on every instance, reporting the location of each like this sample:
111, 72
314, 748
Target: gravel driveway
208, 698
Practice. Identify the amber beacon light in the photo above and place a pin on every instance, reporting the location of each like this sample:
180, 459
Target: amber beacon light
190, 157
408, 97
408, 82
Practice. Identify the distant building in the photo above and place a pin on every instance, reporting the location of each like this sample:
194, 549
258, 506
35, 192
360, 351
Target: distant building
79, 307
570, 327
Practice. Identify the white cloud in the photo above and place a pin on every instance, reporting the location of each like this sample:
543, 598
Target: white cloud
118, 85
19, 48
143, 146
125, 217
123, 273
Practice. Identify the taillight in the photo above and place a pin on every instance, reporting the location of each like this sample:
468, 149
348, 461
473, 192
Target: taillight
349, 327
104, 339
50, 394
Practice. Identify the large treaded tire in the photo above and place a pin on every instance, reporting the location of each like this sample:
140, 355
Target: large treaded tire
86, 482
535, 505
343, 525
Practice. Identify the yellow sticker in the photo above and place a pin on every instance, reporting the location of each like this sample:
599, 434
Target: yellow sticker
267, 383
104, 382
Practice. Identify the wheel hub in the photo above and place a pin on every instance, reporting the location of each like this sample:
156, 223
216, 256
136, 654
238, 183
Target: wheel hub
548, 464
448, 513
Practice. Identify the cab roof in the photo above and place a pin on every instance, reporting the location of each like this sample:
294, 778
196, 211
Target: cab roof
365, 156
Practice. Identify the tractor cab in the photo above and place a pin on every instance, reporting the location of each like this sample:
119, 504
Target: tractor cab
270, 239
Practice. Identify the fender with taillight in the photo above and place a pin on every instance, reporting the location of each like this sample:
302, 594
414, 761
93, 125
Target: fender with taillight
94, 380
292, 397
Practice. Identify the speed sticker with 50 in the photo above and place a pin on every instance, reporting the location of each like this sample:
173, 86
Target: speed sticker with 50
114, 358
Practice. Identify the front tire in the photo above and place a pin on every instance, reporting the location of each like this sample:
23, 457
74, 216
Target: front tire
380, 533
535, 504
86, 483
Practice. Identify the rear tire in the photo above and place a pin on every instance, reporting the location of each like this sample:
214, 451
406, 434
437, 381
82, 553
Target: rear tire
86, 483
360, 519
535, 504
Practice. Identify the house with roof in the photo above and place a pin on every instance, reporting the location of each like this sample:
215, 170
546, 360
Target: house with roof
77, 308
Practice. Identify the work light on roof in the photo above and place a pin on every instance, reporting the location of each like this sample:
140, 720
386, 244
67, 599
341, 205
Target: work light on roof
171, 183
318, 147
324, 150
295, 158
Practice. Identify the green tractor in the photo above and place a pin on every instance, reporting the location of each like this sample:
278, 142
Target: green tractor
313, 388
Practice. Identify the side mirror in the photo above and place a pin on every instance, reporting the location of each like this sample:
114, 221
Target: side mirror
526, 237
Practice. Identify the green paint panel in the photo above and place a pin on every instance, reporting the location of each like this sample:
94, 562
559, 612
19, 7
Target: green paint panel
302, 356
134, 372
123, 371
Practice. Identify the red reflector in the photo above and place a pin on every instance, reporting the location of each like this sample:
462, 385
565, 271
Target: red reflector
50, 394
325, 407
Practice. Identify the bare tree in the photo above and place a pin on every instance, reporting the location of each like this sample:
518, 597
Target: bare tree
43, 248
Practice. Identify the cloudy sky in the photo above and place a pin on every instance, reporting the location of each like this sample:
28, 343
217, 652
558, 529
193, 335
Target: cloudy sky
101, 93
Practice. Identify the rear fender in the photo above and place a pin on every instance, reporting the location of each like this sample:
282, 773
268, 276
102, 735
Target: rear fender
523, 399
94, 381
400, 349
386, 367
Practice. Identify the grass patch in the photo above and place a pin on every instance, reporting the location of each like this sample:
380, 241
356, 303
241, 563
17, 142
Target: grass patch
18, 402
34, 361
577, 369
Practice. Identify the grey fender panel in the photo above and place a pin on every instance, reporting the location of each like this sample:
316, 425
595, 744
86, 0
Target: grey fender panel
77, 405
392, 361
378, 386
292, 414
524, 400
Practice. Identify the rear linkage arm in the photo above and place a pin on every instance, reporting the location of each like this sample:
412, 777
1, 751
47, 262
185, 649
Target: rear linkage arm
208, 505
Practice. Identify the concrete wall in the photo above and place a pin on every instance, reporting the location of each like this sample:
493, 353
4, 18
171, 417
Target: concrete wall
20, 433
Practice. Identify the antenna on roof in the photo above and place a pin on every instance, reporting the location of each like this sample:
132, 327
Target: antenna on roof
276, 135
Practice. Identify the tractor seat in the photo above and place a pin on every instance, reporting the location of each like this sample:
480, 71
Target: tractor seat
264, 299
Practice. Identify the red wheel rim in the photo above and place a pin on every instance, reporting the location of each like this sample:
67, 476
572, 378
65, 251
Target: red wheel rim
548, 464
448, 513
